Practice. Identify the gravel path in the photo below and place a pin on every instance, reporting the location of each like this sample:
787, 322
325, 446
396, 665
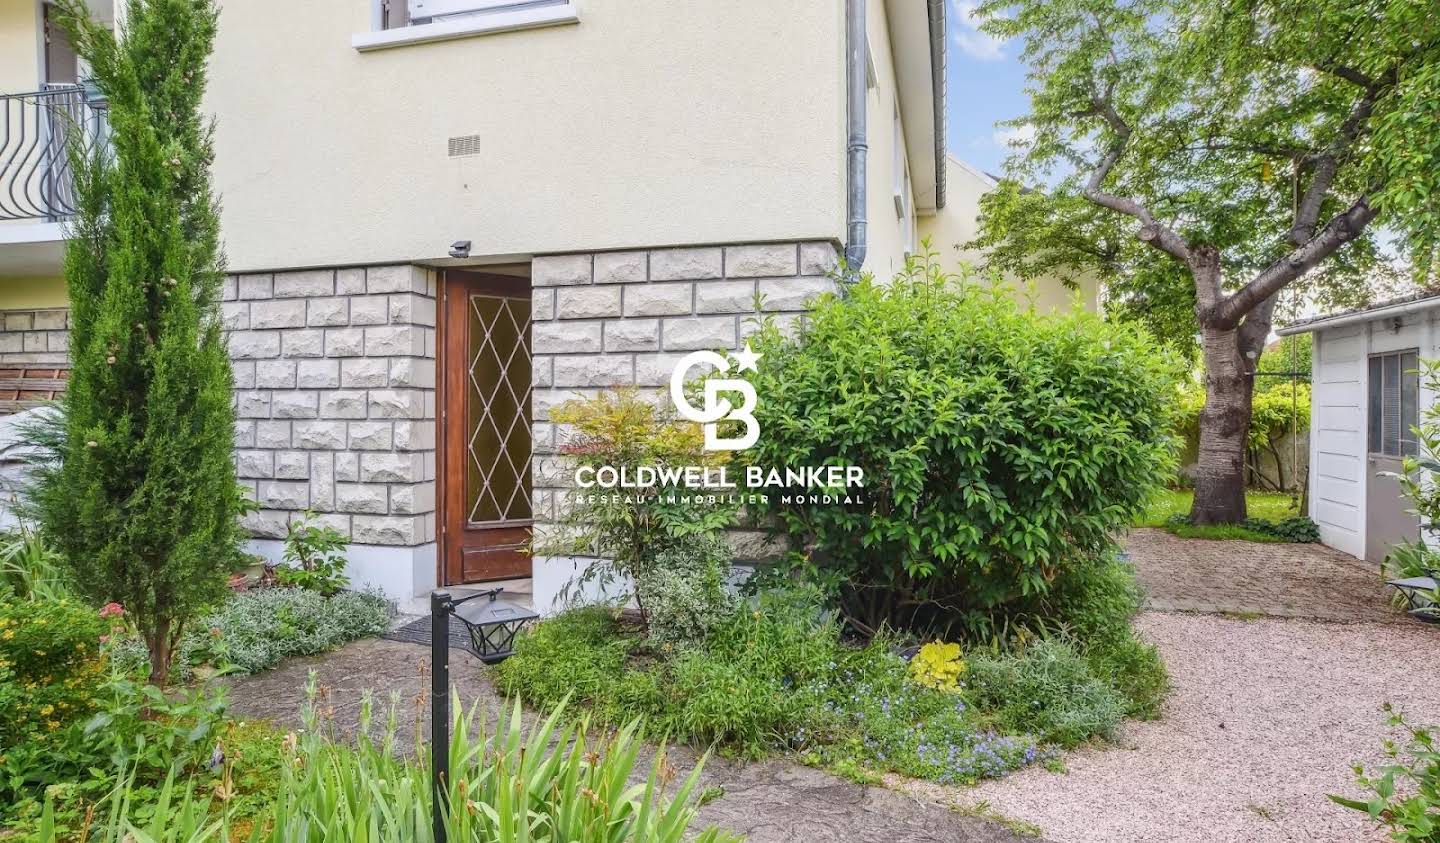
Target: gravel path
1266, 717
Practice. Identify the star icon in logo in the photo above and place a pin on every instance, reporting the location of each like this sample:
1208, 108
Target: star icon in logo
746, 359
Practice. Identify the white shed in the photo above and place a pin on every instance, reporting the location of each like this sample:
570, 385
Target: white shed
1366, 396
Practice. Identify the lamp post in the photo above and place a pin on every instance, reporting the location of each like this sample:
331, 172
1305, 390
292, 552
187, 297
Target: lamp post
493, 626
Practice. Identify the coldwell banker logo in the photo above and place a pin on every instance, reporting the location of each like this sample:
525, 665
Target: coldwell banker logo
713, 484
718, 408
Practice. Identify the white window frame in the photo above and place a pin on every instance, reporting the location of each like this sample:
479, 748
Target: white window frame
464, 19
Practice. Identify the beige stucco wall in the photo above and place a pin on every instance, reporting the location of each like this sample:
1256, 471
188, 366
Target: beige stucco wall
36, 293
958, 223
19, 46
888, 243
647, 123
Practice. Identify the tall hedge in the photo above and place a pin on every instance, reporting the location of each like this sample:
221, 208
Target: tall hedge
1000, 446
142, 499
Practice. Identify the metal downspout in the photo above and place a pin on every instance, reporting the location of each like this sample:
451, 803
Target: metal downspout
856, 146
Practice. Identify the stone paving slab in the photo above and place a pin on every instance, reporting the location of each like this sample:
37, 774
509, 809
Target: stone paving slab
1277, 580
770, 802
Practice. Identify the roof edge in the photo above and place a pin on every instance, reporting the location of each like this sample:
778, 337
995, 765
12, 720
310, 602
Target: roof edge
1395, 307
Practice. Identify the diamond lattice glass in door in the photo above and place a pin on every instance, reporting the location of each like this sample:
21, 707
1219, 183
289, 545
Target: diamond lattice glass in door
497, 410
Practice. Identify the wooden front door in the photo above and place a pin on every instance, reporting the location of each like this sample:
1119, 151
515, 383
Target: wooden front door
485, 427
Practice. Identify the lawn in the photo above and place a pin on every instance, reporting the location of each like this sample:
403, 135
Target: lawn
1271, 506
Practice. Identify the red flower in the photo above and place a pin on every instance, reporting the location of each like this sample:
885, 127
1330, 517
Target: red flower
112, 610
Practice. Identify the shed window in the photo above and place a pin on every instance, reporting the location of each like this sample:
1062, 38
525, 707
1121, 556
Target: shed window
1394, 403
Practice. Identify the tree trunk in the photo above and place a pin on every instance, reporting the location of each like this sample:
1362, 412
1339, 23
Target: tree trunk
160, 645
1224, 424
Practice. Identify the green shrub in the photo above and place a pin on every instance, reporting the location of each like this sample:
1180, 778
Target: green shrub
1410, 558
628, 532
1048, 689
757, 678
1093, 605
580, 653
135, 729
885, 722
314, 557
1136, 671
773, 677
1000, 447
749, 686
50, 666
683, 588
1405, 793
1095, 600
261, 627
1298, 529
254, 630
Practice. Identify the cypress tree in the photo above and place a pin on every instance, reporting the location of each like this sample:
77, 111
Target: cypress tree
140, 495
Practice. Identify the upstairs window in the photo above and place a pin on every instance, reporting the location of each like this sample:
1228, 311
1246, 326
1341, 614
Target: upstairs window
395, 23
398, 13
1394, 403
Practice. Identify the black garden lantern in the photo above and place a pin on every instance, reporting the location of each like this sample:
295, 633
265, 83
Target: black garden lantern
493, 624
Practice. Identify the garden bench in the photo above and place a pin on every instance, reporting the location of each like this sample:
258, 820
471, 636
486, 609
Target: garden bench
1419, 594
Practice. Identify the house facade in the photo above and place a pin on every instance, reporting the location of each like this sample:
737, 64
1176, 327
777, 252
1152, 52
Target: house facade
444, 217
1366, 396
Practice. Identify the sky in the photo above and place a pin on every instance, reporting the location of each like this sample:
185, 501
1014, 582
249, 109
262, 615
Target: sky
986, 84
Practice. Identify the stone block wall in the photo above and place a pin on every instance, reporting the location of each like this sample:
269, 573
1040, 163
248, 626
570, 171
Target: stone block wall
35, 338
609, 319
335, 399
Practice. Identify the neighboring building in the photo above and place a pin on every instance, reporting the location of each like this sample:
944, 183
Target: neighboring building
446, 216
1366, 395
948, 233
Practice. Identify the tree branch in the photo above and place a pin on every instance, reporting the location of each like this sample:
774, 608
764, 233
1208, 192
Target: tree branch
1337, 232
1153, 233
1327, 163
1349, 74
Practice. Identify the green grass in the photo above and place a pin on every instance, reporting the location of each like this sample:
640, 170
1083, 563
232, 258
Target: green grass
1272, 506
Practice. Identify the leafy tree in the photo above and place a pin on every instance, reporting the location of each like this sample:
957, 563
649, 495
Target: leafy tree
140, 494
1210, 155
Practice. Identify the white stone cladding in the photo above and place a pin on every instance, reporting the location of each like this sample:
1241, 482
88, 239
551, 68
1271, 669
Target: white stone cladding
35, 338
335, 377
608, 319
335, 399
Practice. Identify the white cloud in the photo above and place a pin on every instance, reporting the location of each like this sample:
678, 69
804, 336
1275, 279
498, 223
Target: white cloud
968, 37
1014, 136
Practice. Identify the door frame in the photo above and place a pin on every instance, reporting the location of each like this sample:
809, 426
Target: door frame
448, 379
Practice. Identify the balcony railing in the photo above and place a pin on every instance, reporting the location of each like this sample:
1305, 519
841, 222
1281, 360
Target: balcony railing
37, 131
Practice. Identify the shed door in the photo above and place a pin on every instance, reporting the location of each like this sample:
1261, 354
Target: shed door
1392, 410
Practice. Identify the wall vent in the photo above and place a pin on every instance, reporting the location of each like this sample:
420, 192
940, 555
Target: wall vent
464, 145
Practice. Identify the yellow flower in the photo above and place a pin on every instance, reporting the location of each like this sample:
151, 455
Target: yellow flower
8, 634
47, 710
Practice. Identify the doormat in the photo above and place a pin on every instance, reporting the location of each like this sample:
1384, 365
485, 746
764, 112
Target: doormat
418, 632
